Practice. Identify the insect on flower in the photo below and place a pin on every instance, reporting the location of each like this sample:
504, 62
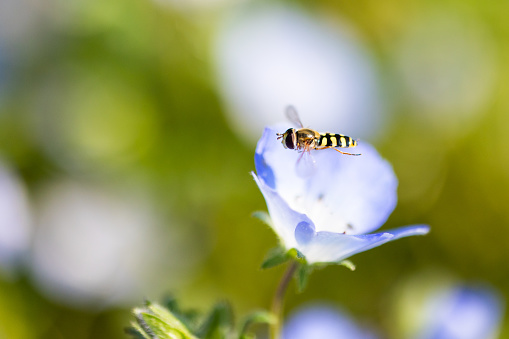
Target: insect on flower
305, 139
330, 216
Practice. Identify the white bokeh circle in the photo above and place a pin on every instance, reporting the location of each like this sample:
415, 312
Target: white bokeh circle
95, 248
269, 57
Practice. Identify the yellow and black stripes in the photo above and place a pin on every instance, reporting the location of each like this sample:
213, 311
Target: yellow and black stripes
336, 140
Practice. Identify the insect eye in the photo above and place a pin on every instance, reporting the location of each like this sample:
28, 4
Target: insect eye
289, 139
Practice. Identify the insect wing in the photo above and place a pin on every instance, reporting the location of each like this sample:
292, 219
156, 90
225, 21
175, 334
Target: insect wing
306, 165
293, 116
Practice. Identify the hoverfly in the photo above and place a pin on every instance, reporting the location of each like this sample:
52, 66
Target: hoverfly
305, 139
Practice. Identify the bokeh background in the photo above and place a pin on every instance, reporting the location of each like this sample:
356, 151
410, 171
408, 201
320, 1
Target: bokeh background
128, 129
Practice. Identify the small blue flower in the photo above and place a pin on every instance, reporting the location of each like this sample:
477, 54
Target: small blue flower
461, 313
326, 216
323, 322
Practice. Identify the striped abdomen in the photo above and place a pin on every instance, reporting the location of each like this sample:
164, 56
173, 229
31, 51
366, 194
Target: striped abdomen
335, 140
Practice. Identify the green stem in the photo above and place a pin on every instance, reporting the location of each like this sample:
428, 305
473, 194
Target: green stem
277, 300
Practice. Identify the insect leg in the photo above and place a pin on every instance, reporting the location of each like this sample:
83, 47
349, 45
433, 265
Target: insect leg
305, 165
356, 154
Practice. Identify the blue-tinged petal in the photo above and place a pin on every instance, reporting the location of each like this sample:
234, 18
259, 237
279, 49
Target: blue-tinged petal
323, 322
270, 154
334, 247
263, 170
284, 219
345, 194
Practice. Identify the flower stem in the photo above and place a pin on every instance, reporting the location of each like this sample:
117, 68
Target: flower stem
277, 300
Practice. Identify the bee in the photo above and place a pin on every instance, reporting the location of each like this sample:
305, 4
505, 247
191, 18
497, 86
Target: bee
305, 139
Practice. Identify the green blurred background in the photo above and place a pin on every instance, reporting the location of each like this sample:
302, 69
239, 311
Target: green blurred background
113, 111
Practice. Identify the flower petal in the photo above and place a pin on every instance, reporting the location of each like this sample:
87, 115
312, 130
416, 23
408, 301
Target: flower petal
284, 219
334, 247
276, 165
346, 193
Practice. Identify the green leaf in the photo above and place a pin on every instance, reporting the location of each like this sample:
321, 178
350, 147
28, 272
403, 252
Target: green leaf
302, 276
258, 317
275, 257
155, 327
155, 321
264, 217
348, 264
218, 323
169, 318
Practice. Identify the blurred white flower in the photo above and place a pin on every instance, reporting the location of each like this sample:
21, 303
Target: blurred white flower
461, 312
433, 305
93, 248
15, 221
323, 322
270, 57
